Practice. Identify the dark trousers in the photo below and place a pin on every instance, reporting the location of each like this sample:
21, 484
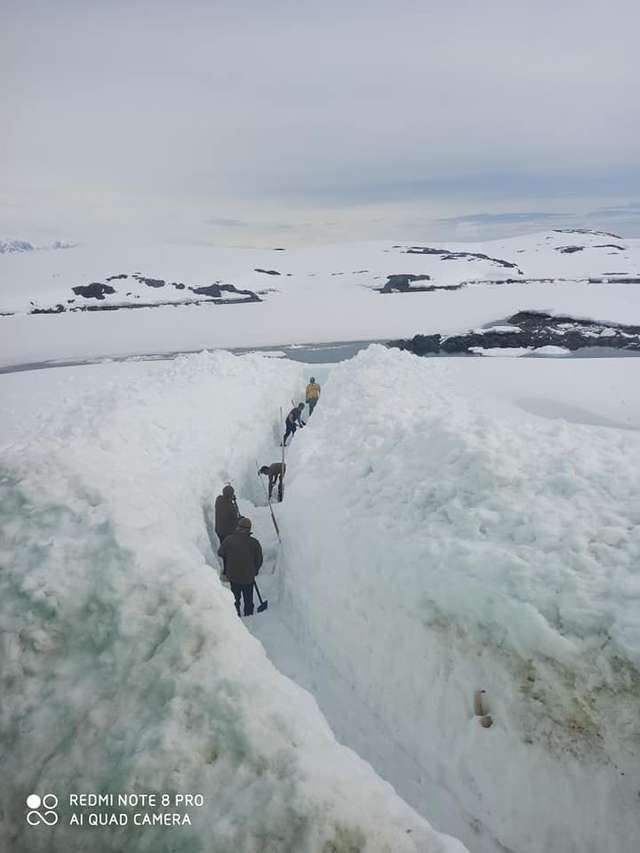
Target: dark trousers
246, 591
272, 483
291, 428
312, 405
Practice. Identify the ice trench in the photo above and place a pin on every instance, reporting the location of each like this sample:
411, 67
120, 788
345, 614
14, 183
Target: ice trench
557, 770
123, 665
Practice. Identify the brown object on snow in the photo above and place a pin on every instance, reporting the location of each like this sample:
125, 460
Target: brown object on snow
479, 709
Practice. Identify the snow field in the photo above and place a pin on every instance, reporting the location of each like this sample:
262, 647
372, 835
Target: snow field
124, 665
322, 294
438, 542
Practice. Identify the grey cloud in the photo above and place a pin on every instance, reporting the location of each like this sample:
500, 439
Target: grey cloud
120, 114
624, 211
500, 218
221, 222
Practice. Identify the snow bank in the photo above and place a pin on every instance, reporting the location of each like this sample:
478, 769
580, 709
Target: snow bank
438, 544
124, 666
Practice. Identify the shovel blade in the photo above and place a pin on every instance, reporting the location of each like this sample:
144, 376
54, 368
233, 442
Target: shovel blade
262, 607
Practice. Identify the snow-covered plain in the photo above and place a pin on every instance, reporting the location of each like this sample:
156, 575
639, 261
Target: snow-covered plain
322, 294
124, 665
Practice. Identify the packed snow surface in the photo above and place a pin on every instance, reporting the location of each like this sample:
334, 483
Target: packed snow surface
124, 667
320, 294
452, 526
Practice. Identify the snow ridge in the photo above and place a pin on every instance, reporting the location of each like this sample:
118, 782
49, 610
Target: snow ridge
464, 548
7, 246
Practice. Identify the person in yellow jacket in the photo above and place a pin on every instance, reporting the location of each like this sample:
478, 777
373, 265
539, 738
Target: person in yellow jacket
313, 394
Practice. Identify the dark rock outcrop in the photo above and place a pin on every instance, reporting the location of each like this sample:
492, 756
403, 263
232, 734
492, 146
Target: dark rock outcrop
266, 272
586, 231
531, 329
216, 292
402, 282
114, 277
95, 290
447, 255
151, 282
59, 309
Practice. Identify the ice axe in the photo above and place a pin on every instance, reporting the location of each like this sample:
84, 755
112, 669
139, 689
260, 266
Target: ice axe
263, 604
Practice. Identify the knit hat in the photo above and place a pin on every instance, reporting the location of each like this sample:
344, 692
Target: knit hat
244, 523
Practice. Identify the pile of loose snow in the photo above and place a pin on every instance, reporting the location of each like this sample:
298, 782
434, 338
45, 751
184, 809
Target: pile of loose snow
437, 543
124, 666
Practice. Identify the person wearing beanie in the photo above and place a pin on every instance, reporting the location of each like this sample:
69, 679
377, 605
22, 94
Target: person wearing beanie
226, 514
293, 421
241, 555
312, 394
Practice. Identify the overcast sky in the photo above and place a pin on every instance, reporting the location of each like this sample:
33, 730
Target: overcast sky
252, 122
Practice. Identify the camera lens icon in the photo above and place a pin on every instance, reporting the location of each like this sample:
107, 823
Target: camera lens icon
48, 803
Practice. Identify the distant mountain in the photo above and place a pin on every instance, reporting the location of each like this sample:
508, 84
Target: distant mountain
7, 246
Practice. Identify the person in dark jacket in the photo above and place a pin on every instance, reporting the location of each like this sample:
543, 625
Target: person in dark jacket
227, 514
275, 471
242, 558
293, 421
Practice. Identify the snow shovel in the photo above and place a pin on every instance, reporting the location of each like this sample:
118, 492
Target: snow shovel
263, 604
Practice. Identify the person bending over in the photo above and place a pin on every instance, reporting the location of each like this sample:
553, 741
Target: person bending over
275, 472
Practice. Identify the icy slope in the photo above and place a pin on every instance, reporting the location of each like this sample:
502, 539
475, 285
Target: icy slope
440, 540
318, 294
124, 667
7, 246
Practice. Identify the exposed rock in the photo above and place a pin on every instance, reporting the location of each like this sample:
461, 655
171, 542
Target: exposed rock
59, 309
585, 231
533, 329
114, 277
568, 250
151, 282
610, 246
447, 255
402, 282
267, 272
95, 290
110, 306
216, 291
